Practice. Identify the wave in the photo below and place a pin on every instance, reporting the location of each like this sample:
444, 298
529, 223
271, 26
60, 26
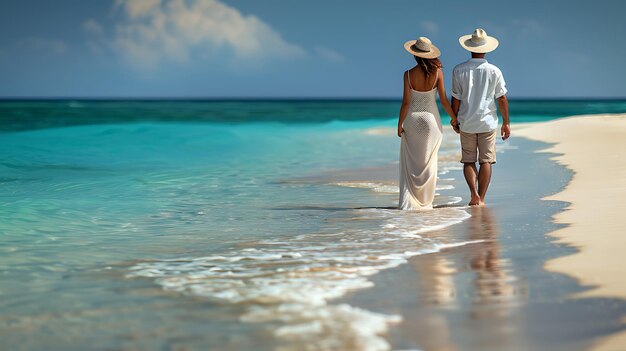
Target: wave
292, 280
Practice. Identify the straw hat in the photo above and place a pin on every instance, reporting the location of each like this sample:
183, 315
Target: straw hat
422, 47
479, 42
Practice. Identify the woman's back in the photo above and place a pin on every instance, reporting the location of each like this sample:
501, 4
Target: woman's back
424, 100
419, 81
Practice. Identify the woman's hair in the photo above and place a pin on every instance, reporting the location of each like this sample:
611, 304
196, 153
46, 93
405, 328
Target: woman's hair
428, 66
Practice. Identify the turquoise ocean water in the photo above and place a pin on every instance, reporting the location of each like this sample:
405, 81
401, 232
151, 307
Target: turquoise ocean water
227, 225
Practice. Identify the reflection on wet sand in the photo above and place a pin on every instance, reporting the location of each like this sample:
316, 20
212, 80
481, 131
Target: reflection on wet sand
496, 292
437, 284
494, 281
437, 289
478, 280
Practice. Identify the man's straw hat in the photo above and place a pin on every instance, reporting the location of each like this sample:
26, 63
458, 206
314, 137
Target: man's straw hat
478, 42
422, 47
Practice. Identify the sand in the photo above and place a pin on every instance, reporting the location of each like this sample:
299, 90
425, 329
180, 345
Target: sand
593, 147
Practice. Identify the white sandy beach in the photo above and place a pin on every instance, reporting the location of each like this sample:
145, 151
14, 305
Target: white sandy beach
593, 148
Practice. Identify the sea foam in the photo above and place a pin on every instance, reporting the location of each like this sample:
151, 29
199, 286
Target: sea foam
292, 281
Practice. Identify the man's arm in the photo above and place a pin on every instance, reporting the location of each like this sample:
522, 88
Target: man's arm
456, 103
503, 106
456, 94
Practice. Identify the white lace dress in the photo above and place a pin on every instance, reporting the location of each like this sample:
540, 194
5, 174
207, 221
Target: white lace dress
418, 151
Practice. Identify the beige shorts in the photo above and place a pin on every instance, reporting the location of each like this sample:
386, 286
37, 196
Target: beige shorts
478, 146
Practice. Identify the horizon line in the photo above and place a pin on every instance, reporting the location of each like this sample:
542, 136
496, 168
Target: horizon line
274, 98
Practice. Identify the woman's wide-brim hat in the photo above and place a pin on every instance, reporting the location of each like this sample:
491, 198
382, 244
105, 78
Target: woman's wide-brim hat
422, 47
478, 42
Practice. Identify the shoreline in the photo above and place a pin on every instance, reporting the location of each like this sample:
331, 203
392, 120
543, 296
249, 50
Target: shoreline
594, 220
502, 284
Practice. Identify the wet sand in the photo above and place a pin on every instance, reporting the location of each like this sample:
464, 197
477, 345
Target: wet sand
497, 294
591, 146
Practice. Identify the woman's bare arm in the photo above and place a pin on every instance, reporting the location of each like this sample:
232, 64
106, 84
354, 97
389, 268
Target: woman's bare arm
443, 98
405, 104
456, 104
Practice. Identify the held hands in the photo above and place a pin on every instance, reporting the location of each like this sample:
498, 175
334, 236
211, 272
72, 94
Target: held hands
400, 131
505, 131
455, 125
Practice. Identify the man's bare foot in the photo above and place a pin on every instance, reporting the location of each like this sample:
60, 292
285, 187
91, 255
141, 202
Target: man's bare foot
475, 201
481, 203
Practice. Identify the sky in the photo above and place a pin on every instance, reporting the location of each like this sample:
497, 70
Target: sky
299, 49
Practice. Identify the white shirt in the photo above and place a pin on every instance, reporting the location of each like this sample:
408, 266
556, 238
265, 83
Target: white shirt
477, 84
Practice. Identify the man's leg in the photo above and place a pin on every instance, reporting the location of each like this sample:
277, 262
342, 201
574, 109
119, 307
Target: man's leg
486, 157
469, 156
470, 172
484, 178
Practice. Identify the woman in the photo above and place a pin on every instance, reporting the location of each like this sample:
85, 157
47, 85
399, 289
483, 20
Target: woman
419, 126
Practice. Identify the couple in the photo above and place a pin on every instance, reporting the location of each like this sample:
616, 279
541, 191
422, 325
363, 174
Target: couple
476, 86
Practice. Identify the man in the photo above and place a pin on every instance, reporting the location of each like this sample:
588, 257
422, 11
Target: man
476, 86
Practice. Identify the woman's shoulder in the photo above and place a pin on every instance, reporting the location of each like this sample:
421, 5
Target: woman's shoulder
412, 69
410, 72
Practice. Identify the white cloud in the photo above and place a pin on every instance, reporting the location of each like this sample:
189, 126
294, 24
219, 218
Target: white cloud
92, 26
138, 8
152, 31
329, 54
